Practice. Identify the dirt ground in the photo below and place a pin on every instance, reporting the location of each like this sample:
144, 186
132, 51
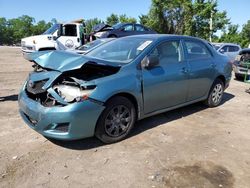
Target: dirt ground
190, 147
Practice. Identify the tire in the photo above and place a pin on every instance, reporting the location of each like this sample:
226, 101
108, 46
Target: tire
116, 121
216, 94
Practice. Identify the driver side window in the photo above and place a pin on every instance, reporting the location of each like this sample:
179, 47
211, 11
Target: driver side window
128, 28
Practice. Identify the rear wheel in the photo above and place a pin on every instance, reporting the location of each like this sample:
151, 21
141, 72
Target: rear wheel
116, 121
215, 94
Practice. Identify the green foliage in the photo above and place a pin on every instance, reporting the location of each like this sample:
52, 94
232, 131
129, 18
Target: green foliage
246, 34
13, 30
125, 19
232, 35
112, 19
143, 19
184, 17
91, 23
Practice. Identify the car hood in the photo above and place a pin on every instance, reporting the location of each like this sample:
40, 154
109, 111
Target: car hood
36, 37
64, 61
101, 27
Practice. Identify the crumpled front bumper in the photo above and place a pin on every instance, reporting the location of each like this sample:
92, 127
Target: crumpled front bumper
79, 118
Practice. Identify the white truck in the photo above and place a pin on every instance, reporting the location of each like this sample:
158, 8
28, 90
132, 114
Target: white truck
57, 37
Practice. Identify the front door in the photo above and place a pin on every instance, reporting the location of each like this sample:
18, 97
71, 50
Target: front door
165, 85
70, 37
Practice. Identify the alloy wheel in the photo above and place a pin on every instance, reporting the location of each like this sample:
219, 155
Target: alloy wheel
217, 93
118, 121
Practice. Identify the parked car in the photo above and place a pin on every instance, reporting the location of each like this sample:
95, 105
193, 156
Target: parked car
91, 45
229, 49
240, 70
103, 93
120, 30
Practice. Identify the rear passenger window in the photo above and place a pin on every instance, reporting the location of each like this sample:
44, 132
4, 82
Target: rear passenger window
197, 50
139, 28
233, 49
168, 52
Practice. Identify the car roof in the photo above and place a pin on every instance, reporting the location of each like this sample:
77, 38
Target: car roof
223, 44
165, 36
245, 50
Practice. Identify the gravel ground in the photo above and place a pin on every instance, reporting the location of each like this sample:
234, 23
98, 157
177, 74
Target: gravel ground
194, 146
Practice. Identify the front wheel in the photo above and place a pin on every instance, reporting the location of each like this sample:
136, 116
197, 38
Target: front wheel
116, 120
215, 94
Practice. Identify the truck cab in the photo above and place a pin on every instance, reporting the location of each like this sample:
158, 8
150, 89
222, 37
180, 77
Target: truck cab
57, 37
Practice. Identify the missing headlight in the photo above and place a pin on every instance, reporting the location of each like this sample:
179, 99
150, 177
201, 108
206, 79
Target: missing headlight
71, 93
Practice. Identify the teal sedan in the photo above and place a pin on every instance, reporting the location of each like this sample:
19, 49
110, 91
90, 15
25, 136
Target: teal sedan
104, 92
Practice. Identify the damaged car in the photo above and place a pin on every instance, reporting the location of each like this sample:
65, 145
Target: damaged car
239, 65
120, 30
90, 46
103, 93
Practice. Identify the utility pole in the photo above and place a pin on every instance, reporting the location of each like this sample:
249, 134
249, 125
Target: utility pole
211, 27
211, 24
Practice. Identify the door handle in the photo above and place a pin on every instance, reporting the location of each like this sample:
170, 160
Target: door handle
184, 70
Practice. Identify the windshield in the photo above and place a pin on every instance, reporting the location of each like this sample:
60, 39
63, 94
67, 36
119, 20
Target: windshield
90, 45
117, 26
123, 50
216, 46
52, 29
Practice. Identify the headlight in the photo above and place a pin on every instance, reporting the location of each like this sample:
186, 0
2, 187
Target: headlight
71, 93
101, 34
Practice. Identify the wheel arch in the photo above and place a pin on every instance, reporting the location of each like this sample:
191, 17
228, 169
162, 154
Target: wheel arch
222, 78
130, 97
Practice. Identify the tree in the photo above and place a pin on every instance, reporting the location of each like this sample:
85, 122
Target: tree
189, 17
3, 30
91, 23
246, 34
203, 10
21, 27
40, 27
125, 19
232, 35
143, 19
112, 19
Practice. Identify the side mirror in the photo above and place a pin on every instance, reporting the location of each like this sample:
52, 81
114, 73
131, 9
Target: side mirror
59, 32
222, 51
150, 61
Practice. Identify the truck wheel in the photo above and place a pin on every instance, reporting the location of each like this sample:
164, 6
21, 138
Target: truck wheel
116, 121
215, 94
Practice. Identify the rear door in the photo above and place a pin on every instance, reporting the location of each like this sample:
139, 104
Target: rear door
201, 68
165, 85
233, 51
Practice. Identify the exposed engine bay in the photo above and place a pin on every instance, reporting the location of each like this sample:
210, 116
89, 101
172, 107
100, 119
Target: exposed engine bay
70, 86
245, 56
